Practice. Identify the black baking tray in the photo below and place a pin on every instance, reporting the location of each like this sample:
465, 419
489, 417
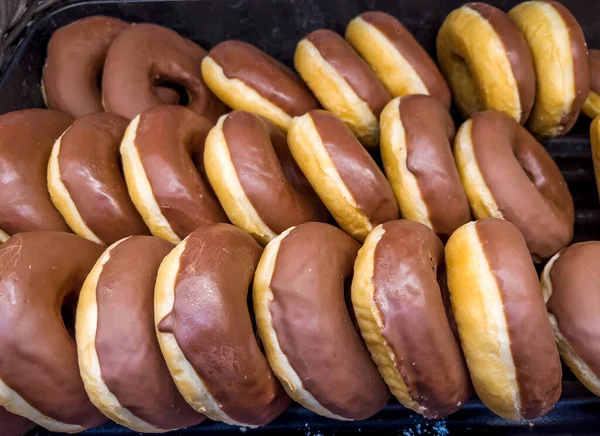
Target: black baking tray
276, 26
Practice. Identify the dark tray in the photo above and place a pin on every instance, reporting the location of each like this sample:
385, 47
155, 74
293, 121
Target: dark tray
276, 26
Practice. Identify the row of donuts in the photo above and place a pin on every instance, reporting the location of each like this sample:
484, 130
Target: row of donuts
188, 333
353, 77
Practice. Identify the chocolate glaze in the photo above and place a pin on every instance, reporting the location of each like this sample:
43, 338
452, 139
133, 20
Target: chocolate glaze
517, 50
26, 141
536, 360
170, 142
313, 270
581, 71
575, 300
14, 425
407, 294
213, 328
594, 69
145, 55
429, 132
406, 44
270, 177
341, 56
39, 271
359, 172
130, 359
524, 181
90, 168
265, 75
76, 54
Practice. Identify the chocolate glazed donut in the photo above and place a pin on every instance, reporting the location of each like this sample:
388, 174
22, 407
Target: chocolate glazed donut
502, 322
395, 288
146, 55
205, 329
248, 79
304, 324
508, 174
14, 425
571, 285
39, 272
162, 153
85, 180
26, 140
416, 149
125, 375
256, 179
591, 106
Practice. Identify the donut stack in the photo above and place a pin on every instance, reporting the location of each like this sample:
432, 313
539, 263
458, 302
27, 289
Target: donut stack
226, 262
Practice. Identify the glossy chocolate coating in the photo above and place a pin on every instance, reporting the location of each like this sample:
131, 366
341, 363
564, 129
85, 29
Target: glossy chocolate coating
170, 142
39, 272
341, 56
407, 294
26, 141
594, 66
90, 168
536, 360
130, 359
269, 176
145, 55
524, 181
212, 325
406, 44
313, 271
14, 425
575, 300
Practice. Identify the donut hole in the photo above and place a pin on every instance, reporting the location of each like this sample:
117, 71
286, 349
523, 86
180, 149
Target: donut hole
465, 87
171, 93
67, 314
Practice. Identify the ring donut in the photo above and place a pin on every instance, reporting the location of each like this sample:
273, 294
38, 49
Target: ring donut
416, 148
395, 288
248, 79
397, 58
571, 285
342, 172
304, 324
26, 140
342, 82
39, 273
595, 144
256, 179
486, 61
559, 53
85, 180
502, 322
205, 330
591, 106
14, 425
508, 174
125, 375
162, 151
145, 56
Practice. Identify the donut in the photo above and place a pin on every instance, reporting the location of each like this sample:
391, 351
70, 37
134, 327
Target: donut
508, 174
146, 55
205, 330
26, 140
595, 144
85, 180
591, 106
416, 149
256, 179
121, 364
39, 273
14, 425
501, 319
305, 327
395, 288
559, 53
402, 65
342, 172
248, 79
161, 152
486, 61
571, 286
342, 82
